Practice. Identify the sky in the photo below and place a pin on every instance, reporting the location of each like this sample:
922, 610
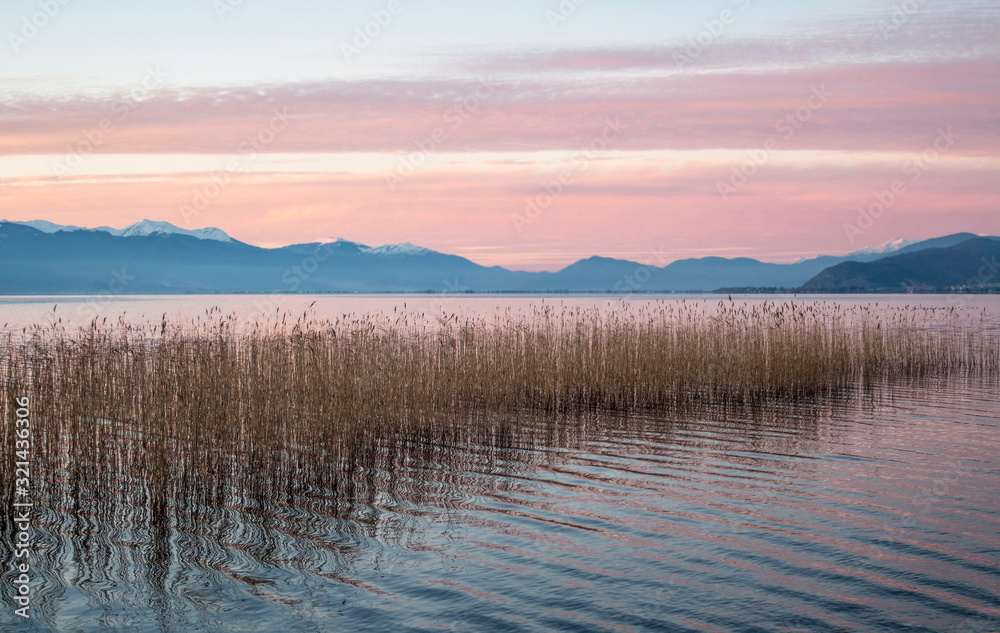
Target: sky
526, 134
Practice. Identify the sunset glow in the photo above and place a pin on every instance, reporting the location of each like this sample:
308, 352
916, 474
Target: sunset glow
735, 129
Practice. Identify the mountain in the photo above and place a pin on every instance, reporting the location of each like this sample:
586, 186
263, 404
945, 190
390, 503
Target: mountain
711, 273
970, 264
49, 227
938, 242
156, 257
149, 227
399, 249
145, 227
889, 247
99, 262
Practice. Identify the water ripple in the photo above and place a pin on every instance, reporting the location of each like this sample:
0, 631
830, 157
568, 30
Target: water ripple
852, 518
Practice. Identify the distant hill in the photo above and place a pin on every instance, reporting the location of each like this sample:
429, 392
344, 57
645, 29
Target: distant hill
973, 264
150, 257
936, 242
143, 227
90, 262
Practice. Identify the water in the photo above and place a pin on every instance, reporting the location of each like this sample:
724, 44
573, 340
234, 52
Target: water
865, 516
75, 311
880, 513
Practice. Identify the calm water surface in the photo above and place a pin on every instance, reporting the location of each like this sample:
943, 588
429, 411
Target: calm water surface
74, 311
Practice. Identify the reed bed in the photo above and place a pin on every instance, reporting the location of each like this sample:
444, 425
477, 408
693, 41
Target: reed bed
195, 415
375, 369
208, 443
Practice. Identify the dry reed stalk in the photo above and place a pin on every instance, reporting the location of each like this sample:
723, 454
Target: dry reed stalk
202, 413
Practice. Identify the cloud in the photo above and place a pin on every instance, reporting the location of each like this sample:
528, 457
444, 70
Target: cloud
487, 145
878, 106
913, 31
626, 206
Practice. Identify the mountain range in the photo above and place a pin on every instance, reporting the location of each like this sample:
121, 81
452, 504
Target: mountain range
40, 257
970, 264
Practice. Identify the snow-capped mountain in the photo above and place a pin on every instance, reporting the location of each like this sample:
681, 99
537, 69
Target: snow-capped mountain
398, 249
888, 247
150, 227
50, 227
406, 248
868, 254
145, 227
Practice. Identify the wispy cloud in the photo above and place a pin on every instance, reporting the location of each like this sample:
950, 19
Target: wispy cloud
883, 106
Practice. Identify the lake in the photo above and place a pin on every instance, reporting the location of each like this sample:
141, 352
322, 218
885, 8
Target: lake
18, 312
878, 511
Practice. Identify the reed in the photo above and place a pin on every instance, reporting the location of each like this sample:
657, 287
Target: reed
196, 411
375, 370
206, 444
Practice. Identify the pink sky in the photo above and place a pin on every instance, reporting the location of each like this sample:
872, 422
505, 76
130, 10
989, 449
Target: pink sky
818, 133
